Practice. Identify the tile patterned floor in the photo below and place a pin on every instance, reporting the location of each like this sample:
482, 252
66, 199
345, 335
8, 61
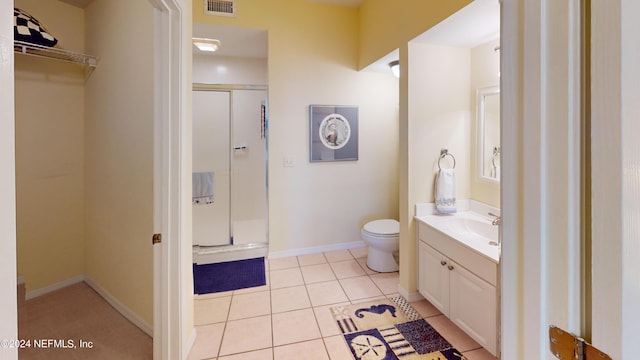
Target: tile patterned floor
289, 317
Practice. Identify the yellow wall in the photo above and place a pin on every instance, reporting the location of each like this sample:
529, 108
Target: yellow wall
438, 117
49, 107
313, 52
119, 152
386, 26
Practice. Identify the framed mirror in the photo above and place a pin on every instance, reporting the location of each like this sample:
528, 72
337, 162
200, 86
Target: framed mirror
488, 131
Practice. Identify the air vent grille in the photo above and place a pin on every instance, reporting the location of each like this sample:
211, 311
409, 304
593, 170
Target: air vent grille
220, 7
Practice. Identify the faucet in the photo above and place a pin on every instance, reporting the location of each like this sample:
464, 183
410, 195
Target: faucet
497, 219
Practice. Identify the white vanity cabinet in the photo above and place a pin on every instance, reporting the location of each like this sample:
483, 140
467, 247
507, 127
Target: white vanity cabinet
460, 283
433, 277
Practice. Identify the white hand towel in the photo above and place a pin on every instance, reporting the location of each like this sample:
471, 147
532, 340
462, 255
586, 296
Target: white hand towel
496, 172
445, 193
202, 187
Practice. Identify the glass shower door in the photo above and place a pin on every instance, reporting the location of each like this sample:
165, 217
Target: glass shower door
211, 160
249, 164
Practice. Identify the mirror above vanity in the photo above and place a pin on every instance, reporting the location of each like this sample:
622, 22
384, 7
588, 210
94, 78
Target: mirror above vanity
488, 142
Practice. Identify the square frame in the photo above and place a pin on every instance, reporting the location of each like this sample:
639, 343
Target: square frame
333, 133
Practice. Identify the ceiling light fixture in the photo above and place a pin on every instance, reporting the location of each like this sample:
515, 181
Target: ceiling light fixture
205, 44
395, 68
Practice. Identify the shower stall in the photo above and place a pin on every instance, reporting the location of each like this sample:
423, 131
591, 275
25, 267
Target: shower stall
229, 172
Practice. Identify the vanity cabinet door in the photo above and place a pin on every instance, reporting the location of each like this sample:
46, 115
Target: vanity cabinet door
473, 306
433, 277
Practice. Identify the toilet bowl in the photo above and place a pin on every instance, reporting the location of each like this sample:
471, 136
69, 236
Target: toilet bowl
383, 239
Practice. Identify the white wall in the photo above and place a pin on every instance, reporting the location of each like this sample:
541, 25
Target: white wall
8, 304
209, 69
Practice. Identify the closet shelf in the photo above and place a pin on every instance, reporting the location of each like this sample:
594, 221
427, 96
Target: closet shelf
25, 48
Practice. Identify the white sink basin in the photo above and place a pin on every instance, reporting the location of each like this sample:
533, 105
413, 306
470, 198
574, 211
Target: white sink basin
469, 228
474, 227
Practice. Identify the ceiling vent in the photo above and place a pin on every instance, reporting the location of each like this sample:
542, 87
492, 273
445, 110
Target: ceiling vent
220, 7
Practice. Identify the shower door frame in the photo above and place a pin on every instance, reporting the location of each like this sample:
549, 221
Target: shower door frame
232, 251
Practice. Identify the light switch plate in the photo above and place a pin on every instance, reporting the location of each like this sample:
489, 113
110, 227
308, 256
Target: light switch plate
288, 161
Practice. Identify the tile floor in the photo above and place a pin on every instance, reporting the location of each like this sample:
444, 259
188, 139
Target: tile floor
289, 317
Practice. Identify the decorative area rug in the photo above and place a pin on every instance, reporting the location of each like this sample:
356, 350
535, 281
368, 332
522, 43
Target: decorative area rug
391, 330
227, 276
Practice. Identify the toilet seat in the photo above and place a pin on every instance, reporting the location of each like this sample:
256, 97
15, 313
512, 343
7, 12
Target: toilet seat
382, 228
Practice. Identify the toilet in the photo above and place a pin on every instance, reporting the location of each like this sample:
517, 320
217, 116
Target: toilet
383, 239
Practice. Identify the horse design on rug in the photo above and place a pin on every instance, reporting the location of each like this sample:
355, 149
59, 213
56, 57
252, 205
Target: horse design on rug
377, 309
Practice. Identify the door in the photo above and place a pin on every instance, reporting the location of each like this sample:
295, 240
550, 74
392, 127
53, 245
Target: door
230, 143
433, 277
211, 156
570, 147
249, 167
471, 299
8, 306
615, 155
541, 264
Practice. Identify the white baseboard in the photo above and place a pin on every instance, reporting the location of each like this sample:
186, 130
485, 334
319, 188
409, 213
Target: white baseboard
120, 307
53, 287
410, 297
315, 250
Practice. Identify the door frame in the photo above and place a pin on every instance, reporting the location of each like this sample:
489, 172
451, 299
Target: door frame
530, 294
173, 332
173, 320
541, 201
615, 103
8, 293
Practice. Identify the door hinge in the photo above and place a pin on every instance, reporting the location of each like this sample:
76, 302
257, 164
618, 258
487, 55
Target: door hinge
156, 239
566, 346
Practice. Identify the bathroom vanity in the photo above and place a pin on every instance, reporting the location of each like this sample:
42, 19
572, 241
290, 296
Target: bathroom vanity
458, 271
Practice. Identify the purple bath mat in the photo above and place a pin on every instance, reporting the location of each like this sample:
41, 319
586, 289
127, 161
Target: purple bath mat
227, 276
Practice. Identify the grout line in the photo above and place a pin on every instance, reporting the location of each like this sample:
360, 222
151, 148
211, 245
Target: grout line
273, 342
312, 307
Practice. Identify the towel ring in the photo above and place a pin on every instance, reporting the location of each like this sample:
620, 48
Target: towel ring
443, 153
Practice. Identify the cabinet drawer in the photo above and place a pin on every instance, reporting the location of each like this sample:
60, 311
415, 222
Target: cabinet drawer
460, 253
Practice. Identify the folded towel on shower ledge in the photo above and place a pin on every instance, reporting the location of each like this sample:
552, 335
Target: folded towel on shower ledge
202, 188
445, 191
